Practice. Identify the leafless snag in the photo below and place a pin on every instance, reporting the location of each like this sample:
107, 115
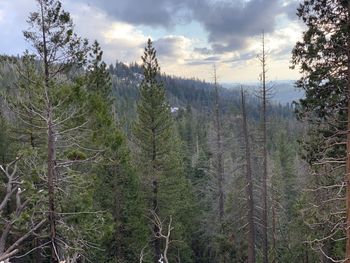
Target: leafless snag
163, 233
13, 191
249, 187
264, 97
219, 148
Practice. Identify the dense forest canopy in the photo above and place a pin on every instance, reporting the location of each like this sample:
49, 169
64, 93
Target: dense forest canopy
124, 163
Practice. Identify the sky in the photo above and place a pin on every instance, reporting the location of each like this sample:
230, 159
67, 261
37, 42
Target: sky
190, 36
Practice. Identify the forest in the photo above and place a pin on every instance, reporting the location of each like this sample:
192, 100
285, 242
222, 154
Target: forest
125, 163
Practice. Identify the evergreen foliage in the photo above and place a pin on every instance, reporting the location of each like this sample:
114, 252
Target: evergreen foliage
167, 191
323, 58
118, 163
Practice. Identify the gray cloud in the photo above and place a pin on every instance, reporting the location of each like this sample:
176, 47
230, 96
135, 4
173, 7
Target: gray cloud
291, 9
239, 58
146, 12
213, 58
206, 61
229, 23
198, 62
203, 50
168, 46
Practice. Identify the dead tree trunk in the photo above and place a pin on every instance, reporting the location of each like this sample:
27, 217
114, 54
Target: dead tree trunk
219, 164
13, 190
274, 234
163, 257
264, 152
249, 187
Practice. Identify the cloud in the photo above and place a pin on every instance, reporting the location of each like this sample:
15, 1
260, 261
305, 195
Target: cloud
237, 58
203, 50
145, 12
211, 60
119, 40
173, 47
291, 8
232, 39
227, 32
229, 23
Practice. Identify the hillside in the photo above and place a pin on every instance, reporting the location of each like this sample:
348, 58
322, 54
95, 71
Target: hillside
196, 93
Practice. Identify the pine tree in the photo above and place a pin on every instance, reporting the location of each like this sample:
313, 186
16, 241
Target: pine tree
153, 129
166, 188
324, 58
51, 102
124, 232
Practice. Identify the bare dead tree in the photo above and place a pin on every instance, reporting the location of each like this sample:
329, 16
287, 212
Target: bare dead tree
249, 187
274, 230
13, 191
163, 233
219, 148
142, 254
347, 255
264, 93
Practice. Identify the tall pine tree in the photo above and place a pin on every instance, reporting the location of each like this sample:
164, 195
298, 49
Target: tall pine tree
167, 191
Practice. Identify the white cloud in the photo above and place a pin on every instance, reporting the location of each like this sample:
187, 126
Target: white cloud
119, 40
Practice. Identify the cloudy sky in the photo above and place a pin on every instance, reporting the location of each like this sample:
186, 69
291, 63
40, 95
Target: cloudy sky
189, 35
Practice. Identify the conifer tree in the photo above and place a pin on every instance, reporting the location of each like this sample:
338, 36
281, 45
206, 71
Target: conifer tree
153, 129
116, 191
323, 57
52, 102
166, 189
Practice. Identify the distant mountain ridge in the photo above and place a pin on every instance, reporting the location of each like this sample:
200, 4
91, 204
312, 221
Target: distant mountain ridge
283, 91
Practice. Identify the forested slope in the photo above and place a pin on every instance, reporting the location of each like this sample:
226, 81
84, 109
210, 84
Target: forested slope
123, 163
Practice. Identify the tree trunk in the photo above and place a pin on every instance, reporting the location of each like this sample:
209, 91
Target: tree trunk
50, 147
274, 235
220, 166
249, 188
347, 256
157, 249
51, 187
264, 179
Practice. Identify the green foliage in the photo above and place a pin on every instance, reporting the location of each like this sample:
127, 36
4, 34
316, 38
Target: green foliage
161, 160
116, 188
105, 193
62, 46
323, 60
